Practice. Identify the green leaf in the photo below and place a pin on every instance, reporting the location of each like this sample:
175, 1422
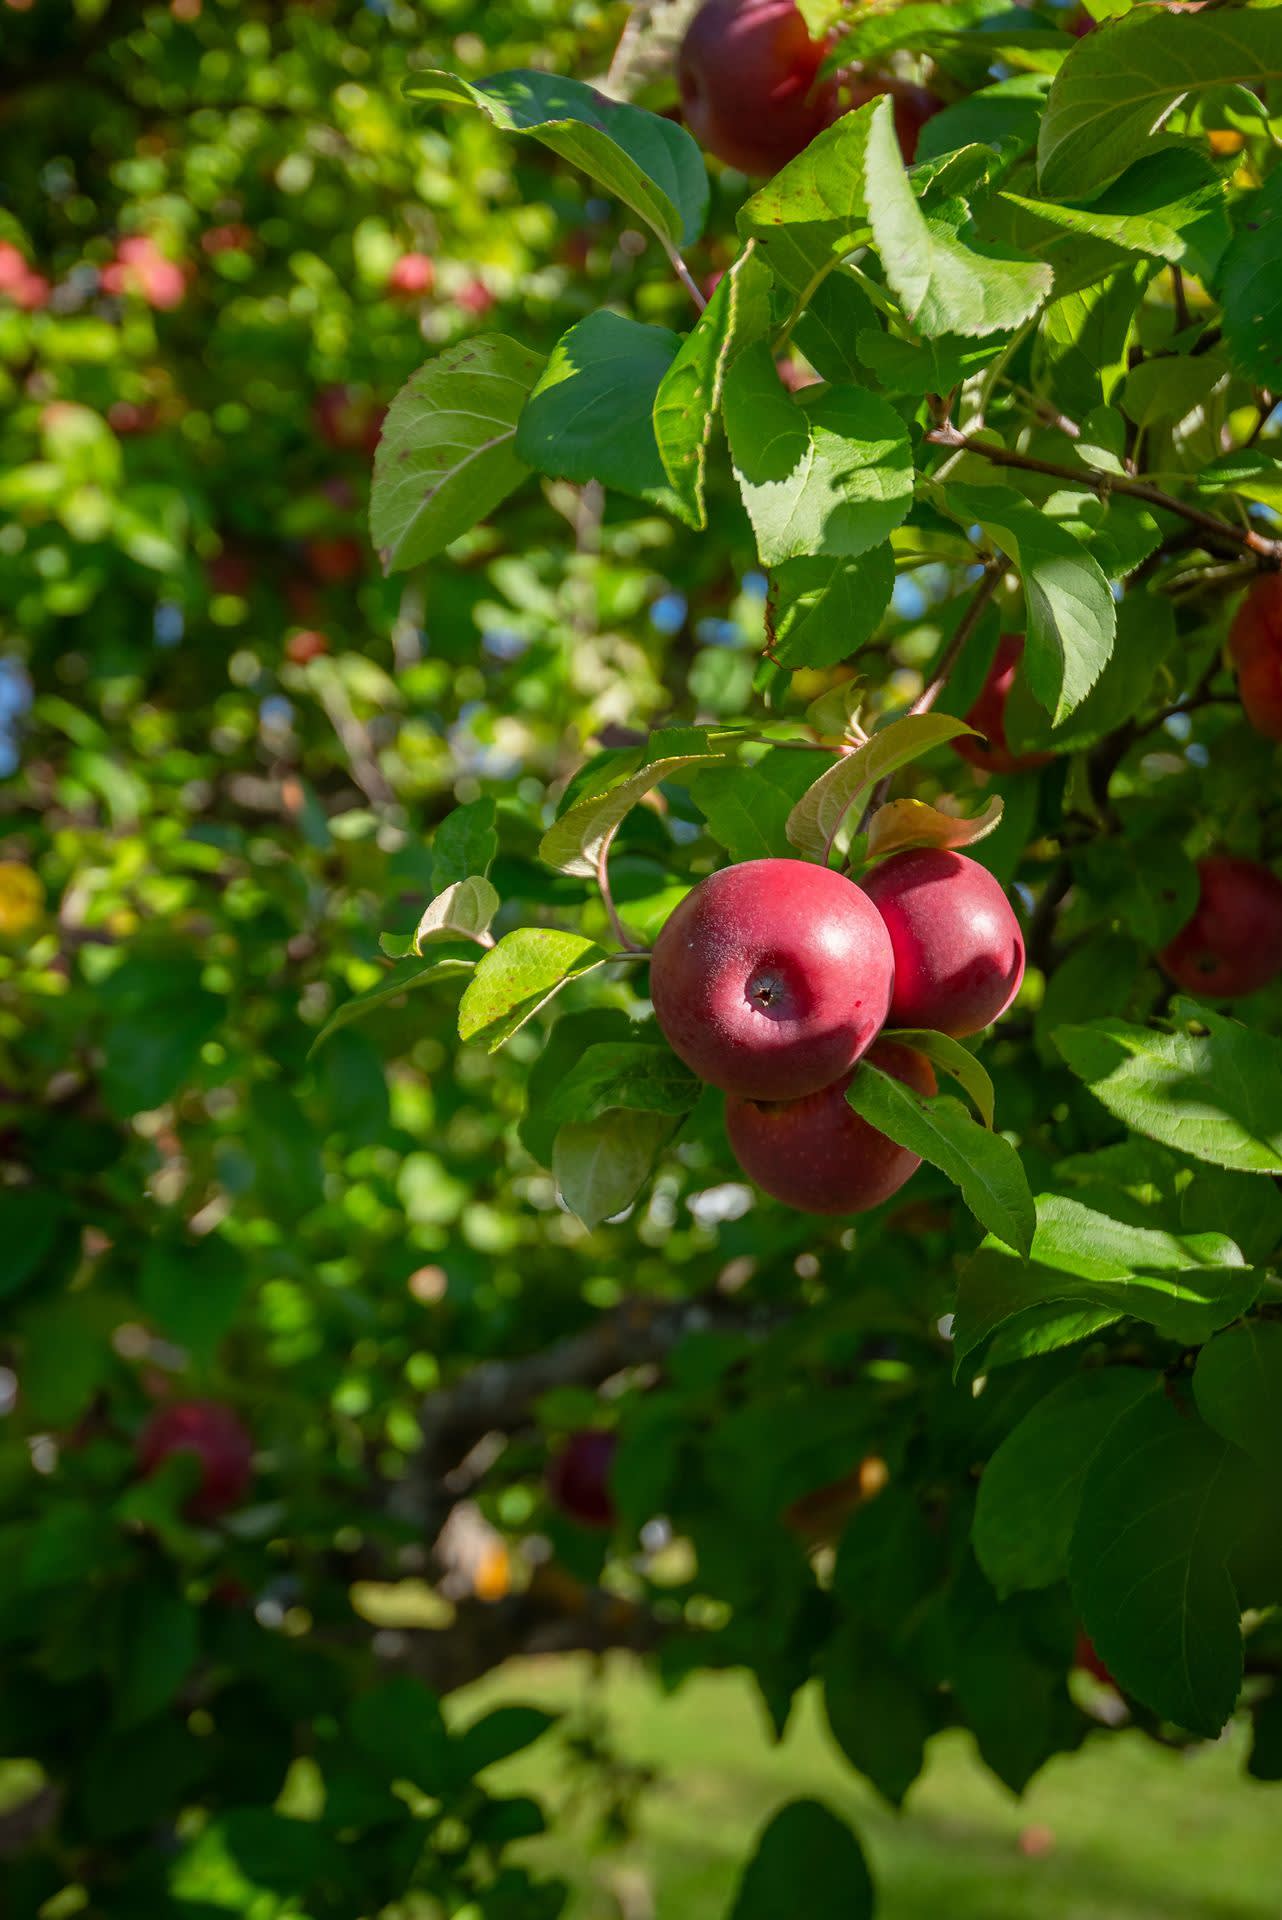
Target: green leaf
590, 415
398, 1728
649, 163
1118, 84
689, 394
1254, 1206
601, 1165
446, 457
838, 315
517, 977
193, 1289
815, 208
405, 977
464, 844
1250, 287
947, 284
1031, 1489
159, 1648
1215, 1096
805, 1846
922, 366
29, 1221
642, 1076
876, 1710
1072, 617
252, 1852
822, 610
1160, 1510
1237, 1384
577, 840
825, 475
496, 1736
747, 808
1009, 109
1084, 338
1145, 639
67, 1352
983, 1165
465, 909
951, 1057
1169, 206
1184, 1285
816, 819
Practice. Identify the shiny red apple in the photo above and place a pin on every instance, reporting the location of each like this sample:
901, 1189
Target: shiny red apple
772, 978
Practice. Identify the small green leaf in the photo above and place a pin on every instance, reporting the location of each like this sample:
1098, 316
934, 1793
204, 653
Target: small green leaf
641, 1076
1168, 205
1250, 287
517, 977
952, 1058
397, 1727
948, 284
814, 822
590, 414
1237, 1384
648, 162
464, 844
405, 977
575, 843
828, 473
815, 208
1072, 616
823, 609
464, 909
601, 1165
1214, 1095
1162, 1505
747, 808
1185, 1285
877, 1710
805, 1846
1031, 1489
982, 1164
689, 394
446, 457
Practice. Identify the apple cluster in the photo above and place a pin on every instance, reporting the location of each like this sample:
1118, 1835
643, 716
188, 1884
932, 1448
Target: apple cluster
773, 979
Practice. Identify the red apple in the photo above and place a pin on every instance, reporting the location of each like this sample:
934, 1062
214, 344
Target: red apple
772, 978
139, 267
1255, 647
1085, 1657
1233, 943
336, 560
219, 1440
816, 1153
959, 953
988, 716
302, 647
749, 78
347, 419
412, 277
579, 1478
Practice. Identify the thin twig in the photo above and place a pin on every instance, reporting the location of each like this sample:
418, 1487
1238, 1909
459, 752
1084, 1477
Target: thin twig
984, 592
1218, 532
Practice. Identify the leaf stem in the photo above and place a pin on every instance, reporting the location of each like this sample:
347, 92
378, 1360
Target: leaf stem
684, 275
1217, 532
